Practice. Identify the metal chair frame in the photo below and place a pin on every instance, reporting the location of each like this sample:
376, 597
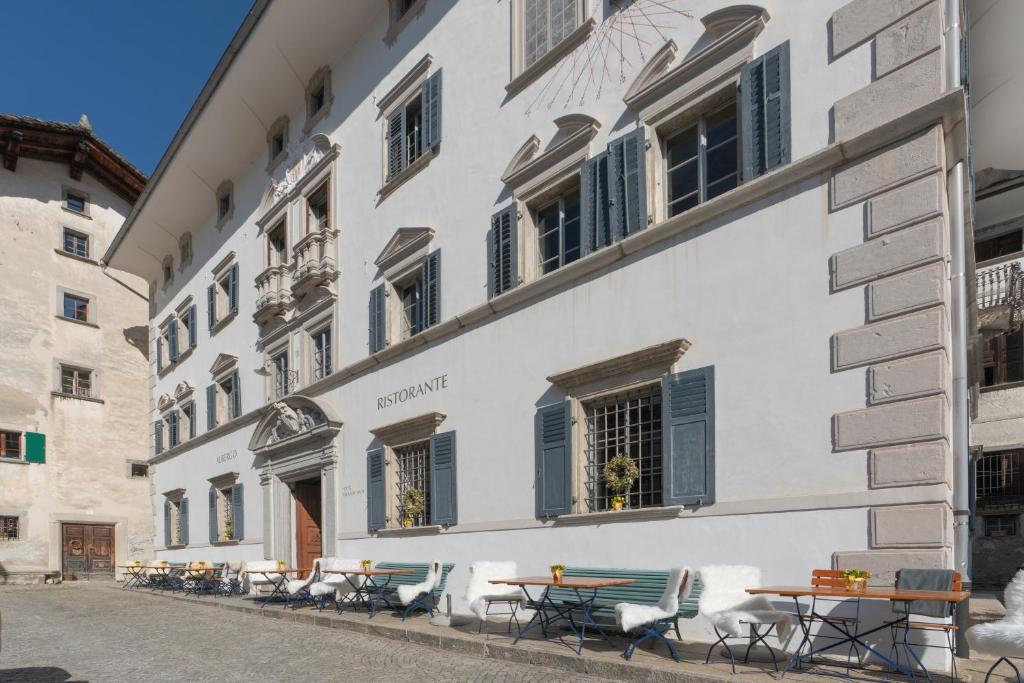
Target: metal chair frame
656, 630
755, 637
514, 602
999, 661
904, 642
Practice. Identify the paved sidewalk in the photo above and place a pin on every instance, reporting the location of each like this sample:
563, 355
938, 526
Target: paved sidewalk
92, 632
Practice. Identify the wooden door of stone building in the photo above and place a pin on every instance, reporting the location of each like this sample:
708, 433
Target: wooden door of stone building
308, 541
88, 551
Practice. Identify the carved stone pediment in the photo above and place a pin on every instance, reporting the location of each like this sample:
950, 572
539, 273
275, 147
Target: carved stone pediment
650, 361
530, 167
183, 391
292, 421
404, 243
165, 402
223, 363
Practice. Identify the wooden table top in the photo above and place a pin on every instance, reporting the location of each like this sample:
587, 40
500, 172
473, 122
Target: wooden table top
566, 582
369, 572
871, 592
286, 570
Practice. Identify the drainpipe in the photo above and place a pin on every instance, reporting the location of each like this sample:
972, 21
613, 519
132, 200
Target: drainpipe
958, 291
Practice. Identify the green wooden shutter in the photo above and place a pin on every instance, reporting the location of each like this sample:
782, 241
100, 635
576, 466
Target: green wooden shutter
553, 460
396, 142
211, 305
172, 341
184, 521
376, 501
158, 436
627, 185
688, 418
503, 252
237, 512
378, 318
192, 331
432, 288
233, 288
214, 536
444, 507
211, 407
765, 112
236, 395
159, 352
35, 447
167, 522
431, 107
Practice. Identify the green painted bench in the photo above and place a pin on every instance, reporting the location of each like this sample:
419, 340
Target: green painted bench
426, 601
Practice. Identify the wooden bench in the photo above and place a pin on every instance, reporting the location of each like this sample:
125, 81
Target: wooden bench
427, 601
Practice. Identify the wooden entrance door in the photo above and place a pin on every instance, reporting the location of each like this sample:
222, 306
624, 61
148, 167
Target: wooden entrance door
88, 551
307, 522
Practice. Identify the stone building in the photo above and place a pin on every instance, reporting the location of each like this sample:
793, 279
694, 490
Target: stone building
470, 252
74, 492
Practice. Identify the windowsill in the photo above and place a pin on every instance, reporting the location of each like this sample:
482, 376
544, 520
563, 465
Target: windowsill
76, 213
13, 461
218, 544
179, 546
318, 116
61, 394
220, 324
83, 259
551, 57
178, 360
408, 172
996, 260
1000, 387
77, 322
429, 530
667, 512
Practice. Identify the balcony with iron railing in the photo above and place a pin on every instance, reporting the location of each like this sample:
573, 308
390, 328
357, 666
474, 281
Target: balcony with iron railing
273, 292
1001, 295
315, 263
999, 479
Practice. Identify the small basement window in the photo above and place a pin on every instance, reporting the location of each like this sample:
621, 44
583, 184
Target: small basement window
10, 445
1001, 525
9, 530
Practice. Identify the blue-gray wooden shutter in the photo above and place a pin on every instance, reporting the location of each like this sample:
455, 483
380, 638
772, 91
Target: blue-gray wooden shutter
172, 429
237, 512
211, 305
184, 521
214, 535
159, 352
167, 522
432, 288
236, 395
158, 437
172, 341
444, 508
396, 142
192, 420
233, 288
765, 112
503, 252
627, 185
211, 407
378, 319
431, 108
553, 483
376, 495
595, 231
193, 333
688, 418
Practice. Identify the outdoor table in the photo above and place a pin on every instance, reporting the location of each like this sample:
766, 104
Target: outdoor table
564, 611
200, 579
889, 593
162, 579
280, 586
370, 592
135, 576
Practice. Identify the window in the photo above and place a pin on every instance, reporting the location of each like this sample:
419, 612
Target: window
188, 420
322, 353
226, 400
318, 97
282, 378
277, 246
413, 127
225, 203
1001, 525
627, 424
318, 212
999, 477
171, 424
175, 522
412, 297
168, 270
702, 161
139, 470
185, 250
276, 144
1002, 245
545, 24
1003, 358
413, 481
75, 381
558, 231
76, 201
10, 445
76, 307
169, 341
402, 7
222, 295
8, 528
76, 243
410, 294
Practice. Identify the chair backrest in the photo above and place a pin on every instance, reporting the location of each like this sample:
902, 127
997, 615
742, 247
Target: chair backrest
648, 587
1013, 598
670, 598
260, 565
480, 575
928, 579
419, 575
725, 586
828, 578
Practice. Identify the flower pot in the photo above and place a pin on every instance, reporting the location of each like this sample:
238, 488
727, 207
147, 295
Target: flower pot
407, 522
856, 584
618, 502
556, 576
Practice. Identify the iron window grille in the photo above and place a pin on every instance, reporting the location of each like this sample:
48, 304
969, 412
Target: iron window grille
630, 424
558, 232
998, 477
10, 445
322, 354
413, 468
176, 522
702, 161
76, 307
1001, 525
225, 525
75, 382
76, 243
8, 528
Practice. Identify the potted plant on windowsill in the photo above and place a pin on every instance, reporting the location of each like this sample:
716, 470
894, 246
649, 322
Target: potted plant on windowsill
856, 579
557, 570
620, 472
228, 529
413, 504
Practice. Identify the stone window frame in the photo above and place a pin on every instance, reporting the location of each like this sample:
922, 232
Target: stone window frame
222, 371
520, 75
306, 349
167, 271
324, 185
68, 189
191, 432
90, 243
130, 469
396, 435
398, 266
59, 364
270, 352
408, 89
92, 311
320, 78
225, 191
185, 251
222, 308
221, 483
22, 517
278, 127
9, 429
397, 21
175, 498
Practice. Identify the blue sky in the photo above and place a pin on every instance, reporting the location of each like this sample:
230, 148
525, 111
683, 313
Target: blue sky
134, 67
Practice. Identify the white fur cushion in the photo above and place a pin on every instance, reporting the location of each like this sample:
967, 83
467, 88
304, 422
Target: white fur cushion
409, 593
725, 602
480, 589
1013, 596
259, 580
631, 616
1003, 638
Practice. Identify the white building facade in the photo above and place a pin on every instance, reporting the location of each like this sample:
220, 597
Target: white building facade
449, 259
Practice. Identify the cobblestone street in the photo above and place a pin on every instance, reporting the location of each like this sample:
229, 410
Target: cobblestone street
82, 632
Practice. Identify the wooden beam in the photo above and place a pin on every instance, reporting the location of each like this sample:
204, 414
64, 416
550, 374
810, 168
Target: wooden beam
13, 150
79, 158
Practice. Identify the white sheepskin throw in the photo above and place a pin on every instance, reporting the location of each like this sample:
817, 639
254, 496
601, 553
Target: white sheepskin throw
1003, 638
631, 616
480, 589
298, 585
257, 580
409, 593
1013, 597
725, 602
